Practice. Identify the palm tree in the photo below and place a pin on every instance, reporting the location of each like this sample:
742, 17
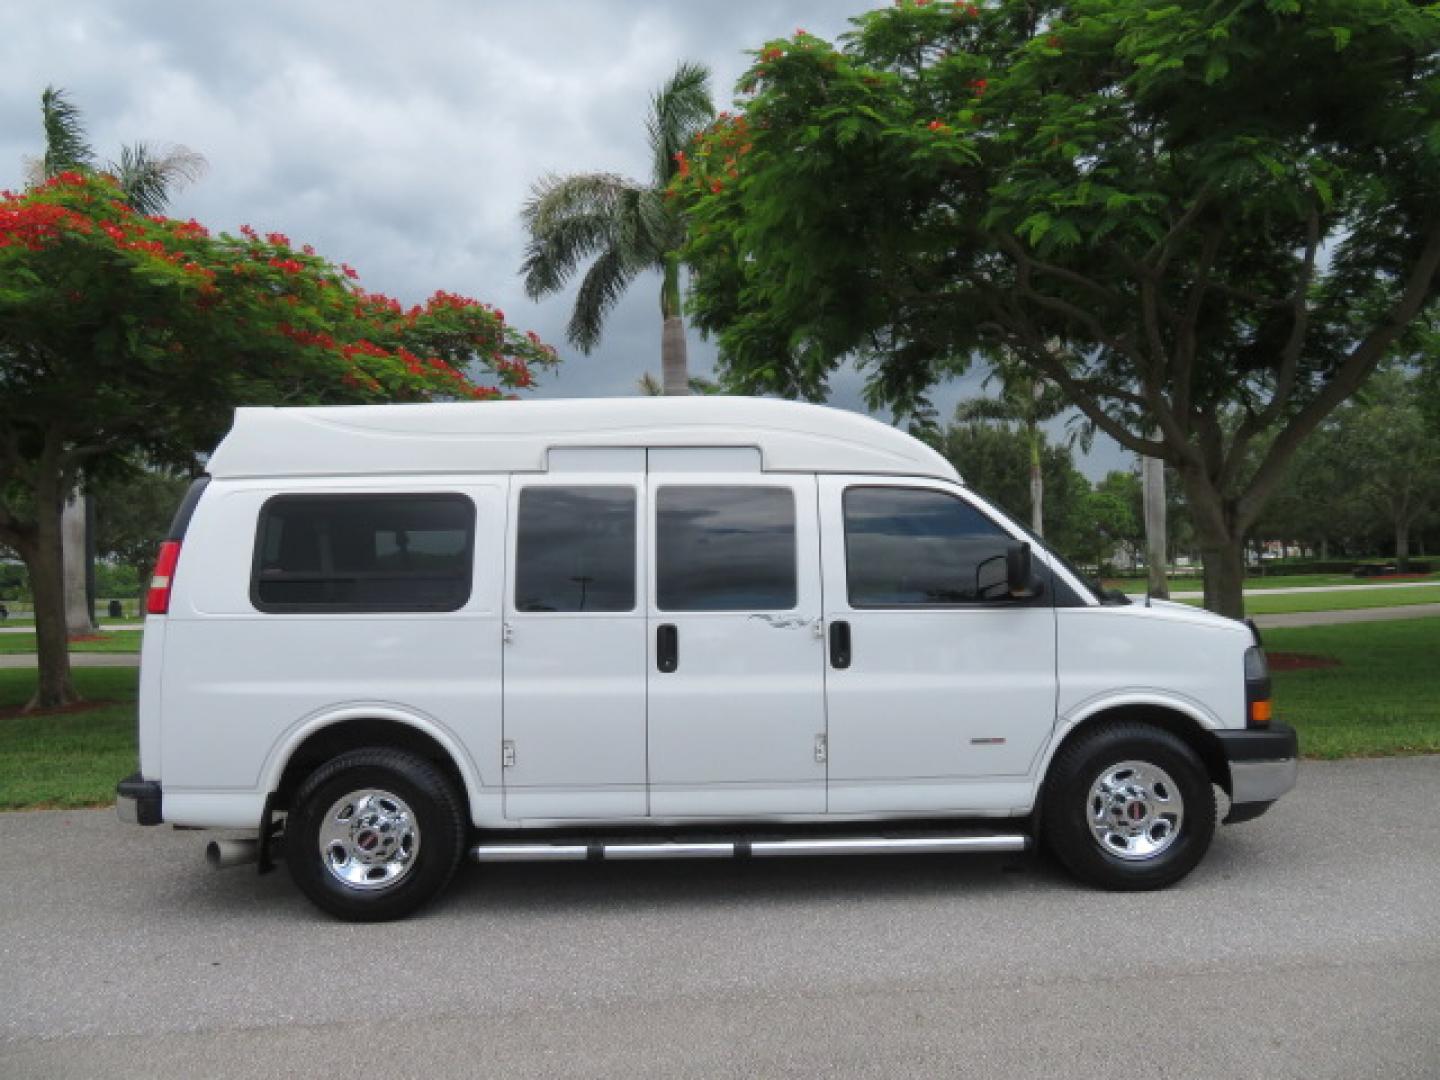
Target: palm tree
1030, 401
147, 176
625, 225
652, 387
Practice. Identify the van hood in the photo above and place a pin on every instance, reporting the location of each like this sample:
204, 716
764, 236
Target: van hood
1171, 611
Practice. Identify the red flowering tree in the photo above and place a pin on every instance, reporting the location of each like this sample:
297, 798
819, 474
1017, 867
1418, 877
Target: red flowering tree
122, 333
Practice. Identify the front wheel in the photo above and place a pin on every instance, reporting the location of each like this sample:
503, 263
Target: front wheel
1128, 806
374, 834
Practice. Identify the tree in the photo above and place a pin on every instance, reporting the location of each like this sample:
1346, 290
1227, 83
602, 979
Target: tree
1318, 502
161, 329
1116, 509
1135, 199
994, 458
1153, 518
1030, 402
626, 225
147, 177
697, 384
1382, 435
133, 508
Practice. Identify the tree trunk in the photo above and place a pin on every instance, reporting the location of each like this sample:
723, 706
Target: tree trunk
1402, 545
1221, 538
74, 520
1037, 484
45, 563
674, 366
1225, 578
674, 369
1152, 471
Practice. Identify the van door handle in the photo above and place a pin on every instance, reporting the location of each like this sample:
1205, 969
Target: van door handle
840, 644
667, 647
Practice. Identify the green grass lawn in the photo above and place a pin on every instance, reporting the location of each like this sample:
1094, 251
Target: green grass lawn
1334, 601
116, 641
1382, 699
69, 759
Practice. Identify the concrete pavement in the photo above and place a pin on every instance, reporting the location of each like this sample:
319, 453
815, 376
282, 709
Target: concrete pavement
1307, 945
1354, 615
1291, 589
77, 659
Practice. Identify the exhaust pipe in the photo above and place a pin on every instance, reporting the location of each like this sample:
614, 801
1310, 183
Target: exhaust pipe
223, 854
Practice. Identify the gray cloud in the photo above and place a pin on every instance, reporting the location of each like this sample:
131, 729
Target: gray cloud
403, 139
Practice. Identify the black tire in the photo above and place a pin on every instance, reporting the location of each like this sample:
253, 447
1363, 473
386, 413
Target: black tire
1121, 862
406, 795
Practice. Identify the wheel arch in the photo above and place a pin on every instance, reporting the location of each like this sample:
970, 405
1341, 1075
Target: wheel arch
320, 738
1186, 721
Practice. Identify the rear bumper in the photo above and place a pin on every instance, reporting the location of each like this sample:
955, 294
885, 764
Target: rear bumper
1264, 764
137, 801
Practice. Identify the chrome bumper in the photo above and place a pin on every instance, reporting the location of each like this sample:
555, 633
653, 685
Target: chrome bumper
1262, 781
1264, 764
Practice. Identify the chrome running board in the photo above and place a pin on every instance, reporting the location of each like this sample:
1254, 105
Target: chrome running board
758, 848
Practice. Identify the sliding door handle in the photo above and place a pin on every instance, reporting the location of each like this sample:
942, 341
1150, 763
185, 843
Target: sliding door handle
667, 647
840, 644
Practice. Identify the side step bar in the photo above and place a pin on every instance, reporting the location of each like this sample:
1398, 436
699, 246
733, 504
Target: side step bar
757, 849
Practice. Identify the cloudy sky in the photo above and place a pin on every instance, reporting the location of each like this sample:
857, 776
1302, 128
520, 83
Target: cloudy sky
403, 138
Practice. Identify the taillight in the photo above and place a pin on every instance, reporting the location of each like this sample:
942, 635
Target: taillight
158, 600
1258, 708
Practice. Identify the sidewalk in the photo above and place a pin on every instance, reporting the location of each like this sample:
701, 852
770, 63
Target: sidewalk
77, 659
1291, 589
1334, 618
30, 628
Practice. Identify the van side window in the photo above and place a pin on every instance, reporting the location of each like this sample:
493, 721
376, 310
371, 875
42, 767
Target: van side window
725, 549
912, 547
575, 549
360, 553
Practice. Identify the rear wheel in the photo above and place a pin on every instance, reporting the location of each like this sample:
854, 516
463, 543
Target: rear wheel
1128, 806
374, 834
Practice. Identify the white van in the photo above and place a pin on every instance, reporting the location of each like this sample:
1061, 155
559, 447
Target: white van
660, 627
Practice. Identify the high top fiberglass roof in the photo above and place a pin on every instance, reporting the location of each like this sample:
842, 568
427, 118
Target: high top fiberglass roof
515, 436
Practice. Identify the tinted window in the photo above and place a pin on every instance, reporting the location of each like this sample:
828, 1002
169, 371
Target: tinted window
576, 549
364, 553
909, 546
725, 549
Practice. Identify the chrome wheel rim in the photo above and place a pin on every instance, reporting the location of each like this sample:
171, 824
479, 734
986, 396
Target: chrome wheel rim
1135, 810
369, 839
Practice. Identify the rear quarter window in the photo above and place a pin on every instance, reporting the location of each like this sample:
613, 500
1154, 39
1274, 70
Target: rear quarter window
358, 553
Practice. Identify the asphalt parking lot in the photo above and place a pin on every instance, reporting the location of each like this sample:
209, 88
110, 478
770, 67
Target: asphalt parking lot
1306, 945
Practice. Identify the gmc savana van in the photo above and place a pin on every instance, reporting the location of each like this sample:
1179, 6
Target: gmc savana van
385, 637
